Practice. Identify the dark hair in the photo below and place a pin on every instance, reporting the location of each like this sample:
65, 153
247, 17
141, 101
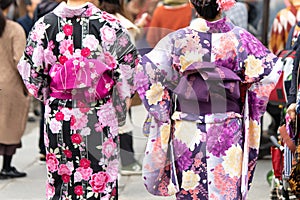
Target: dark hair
2, 22
3, 5
114, 6
208, 9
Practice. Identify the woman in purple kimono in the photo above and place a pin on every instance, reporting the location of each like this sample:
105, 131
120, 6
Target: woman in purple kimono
79, 61
205, 87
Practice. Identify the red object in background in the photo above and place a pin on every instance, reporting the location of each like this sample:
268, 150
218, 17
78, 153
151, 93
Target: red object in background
277, 162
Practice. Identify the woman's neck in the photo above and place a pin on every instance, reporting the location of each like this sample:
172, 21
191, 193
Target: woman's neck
75, 3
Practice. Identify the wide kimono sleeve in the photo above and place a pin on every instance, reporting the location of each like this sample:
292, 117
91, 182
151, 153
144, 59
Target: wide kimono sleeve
261, 73
31, 66
154, 77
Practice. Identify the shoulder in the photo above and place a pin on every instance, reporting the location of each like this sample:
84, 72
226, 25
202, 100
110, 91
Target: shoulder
16, 27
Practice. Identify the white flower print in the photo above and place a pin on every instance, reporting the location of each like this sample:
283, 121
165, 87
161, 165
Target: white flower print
55, 126
90, 42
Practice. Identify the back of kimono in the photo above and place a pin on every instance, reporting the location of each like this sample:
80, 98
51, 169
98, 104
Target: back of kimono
79, 61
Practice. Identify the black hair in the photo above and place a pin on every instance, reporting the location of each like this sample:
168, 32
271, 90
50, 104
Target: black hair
2, 22
208, 9
3, 5
114, 6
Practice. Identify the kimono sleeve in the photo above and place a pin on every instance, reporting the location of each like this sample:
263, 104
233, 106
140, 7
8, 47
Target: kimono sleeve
32, 66
154, 76
261, 73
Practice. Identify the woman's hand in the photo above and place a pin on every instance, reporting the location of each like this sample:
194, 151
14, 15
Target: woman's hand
291, 111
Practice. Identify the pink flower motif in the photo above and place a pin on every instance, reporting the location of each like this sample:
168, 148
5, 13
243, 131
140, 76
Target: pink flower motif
85, 163
64, 46
123, 41
65, 178
225, 4
50, 45
128, 58
109, 17
78, 190
59, 116
98, 182
108, 147
110, 60
68, 153
127, 71
68, 29
80, 123
85, 52
76, 138
52, 162
64, 169
29, 50
112, 169
50, 191
98, 127
108, 35
85, 172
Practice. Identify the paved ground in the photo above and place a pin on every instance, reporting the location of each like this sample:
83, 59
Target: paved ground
32, 187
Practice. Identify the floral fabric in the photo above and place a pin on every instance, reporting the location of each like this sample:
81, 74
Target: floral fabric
79, 61
202, 154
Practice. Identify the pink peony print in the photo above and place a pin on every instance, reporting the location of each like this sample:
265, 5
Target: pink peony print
98, 182
84, 172
50, 191
64, 169
59, 116
76, 138
78, 190
68, 153
52, 162
112, 170
108, 35
108, 147
110, 60
68, 30
80, 123
123, 41
65, 178
85, 52
85, 163
109, 17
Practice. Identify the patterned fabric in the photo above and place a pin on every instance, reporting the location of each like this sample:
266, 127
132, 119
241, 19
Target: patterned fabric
284, 20
211, 155
80, 63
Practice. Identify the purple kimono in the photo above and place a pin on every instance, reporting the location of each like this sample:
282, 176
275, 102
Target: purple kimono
79, 61
213, 80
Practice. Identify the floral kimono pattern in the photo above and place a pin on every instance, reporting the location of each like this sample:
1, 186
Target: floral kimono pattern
80, 63
204, 150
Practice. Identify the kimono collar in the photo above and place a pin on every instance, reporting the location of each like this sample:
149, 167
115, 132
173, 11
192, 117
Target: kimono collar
218, 26
84, 10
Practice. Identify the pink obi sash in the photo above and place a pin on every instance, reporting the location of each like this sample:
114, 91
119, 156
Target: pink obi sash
81, 78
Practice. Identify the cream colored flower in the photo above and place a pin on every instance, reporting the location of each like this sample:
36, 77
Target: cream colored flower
233, 161
253, 66
155, 94
188, 58
165, 134
254, 134
188, 133
171, 189
190, 180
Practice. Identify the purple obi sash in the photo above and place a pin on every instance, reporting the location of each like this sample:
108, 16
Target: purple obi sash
207, 88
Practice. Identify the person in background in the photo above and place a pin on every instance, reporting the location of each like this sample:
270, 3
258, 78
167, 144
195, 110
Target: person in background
13, 94
26, 22
238, 15
282, 24
206, 87
169, 16
130, 166
80, 61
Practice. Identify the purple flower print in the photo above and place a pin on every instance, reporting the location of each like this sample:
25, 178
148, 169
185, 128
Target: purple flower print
257, 106
219, 139
252, 45
182, 155
228, 63
141, 83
